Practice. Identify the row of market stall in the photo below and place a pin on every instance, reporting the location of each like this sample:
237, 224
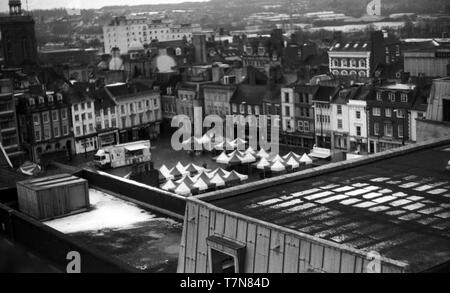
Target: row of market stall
191, 179
265, 162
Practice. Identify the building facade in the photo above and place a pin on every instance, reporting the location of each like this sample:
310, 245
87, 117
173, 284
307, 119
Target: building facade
389, 109
139, 111
9, 131
122, 32
322, 115
45, 123
431, 62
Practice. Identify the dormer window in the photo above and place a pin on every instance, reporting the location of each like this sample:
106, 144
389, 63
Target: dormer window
41, 100
31, 101
59, 97
50, 98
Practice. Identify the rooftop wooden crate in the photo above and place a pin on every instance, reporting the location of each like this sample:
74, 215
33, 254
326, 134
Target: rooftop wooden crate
54, 196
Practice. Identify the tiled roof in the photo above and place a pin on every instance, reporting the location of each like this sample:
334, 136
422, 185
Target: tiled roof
250, 94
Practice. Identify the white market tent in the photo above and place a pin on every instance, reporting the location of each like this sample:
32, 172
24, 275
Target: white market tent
248, 158
183, 189
262, 154
201, 185
169, 185
306, 159
293, 163
217, 180
223, 158
262, 164
277, 166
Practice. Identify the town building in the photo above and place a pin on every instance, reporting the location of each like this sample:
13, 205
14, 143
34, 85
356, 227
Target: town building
139, 110
18, 39
357, 60
9, 130
82, 100
389, 109
349, 121
322, 114
122, 32
45, 123
106, 119
298, 115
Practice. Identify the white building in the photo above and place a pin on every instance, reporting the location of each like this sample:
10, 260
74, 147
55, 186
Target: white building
83, 119
350, 59
138, 111
123, 32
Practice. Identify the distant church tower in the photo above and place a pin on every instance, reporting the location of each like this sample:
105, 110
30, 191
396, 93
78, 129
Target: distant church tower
15, 7
17, 37
374, 8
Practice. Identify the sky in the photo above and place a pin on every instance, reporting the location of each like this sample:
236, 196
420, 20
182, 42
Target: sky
86, 4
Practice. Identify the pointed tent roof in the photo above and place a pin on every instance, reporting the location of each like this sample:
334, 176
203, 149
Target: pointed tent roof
191, 169
217, 180
233, 177
290, 155
241, 177
262, 154
250, 150
277, 158
183, 189
306, 159
169, 185
223, 158
293, 162
248, 158
176, 172
277, 166
262, 164
201, 185
235, 160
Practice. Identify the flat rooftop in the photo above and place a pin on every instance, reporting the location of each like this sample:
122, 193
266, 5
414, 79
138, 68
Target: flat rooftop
134, 235
398, 207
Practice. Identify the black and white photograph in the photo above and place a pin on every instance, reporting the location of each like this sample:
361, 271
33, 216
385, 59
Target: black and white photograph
225, 137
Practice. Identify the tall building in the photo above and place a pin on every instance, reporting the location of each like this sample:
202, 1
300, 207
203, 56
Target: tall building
122, 32
9, 133
17, 37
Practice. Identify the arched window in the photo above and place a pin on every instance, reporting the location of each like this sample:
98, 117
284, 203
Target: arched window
362, 63
353, 73
362, 74
344, 72
344, 63
336, 62
335, 72
353, 63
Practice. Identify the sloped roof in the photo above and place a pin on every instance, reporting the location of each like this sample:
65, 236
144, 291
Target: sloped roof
324, 93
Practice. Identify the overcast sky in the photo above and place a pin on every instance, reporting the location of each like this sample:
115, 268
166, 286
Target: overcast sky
85, 4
